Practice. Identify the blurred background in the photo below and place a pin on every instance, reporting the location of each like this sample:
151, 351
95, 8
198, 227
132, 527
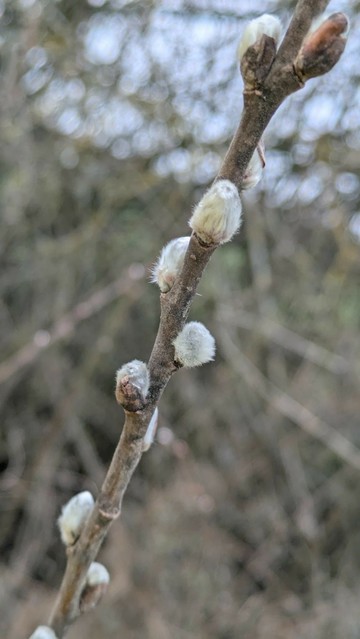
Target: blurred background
243, 519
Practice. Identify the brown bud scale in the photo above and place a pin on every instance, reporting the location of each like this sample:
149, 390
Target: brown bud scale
256, 62
322, 49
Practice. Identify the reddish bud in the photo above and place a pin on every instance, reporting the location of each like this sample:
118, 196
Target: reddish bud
322, 48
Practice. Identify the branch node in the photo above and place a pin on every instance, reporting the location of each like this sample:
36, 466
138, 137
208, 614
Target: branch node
109, 515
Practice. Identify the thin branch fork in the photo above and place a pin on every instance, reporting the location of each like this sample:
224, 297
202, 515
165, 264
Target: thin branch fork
278, 79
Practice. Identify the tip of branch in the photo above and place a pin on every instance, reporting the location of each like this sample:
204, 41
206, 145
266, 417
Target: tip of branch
263, 25
323, 47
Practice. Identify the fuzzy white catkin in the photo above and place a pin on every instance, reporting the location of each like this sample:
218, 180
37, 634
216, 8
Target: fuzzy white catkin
253, 172
97, 574
74, 515
138, 374
151, 430
265, 24
217, 217
43, 632
169, 263
194, 345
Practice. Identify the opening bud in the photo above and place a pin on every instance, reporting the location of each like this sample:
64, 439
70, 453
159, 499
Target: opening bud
169, 263
97, 581
194, 345
264, 25
74, 515
217, 217
132, 384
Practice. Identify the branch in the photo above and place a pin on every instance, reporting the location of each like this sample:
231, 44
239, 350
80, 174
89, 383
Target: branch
107, 508
269, 78
175, 306
305, 12
279, 79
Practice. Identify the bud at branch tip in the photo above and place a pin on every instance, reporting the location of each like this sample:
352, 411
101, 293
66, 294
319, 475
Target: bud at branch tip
322, 47
264, 25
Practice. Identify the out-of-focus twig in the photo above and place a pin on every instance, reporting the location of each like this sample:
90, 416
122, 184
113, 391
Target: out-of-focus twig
288, 406
286, 338
67, 324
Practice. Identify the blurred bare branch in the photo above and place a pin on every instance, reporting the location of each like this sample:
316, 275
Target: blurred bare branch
286, 338
289, 407
67, 324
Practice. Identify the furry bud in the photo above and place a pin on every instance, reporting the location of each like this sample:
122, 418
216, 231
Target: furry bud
74, 516
97, 581
217, 217
132, 384
43, 632
169, 263
194, 345
253, 172
151, 430
97, 574
264, 25
322, 47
